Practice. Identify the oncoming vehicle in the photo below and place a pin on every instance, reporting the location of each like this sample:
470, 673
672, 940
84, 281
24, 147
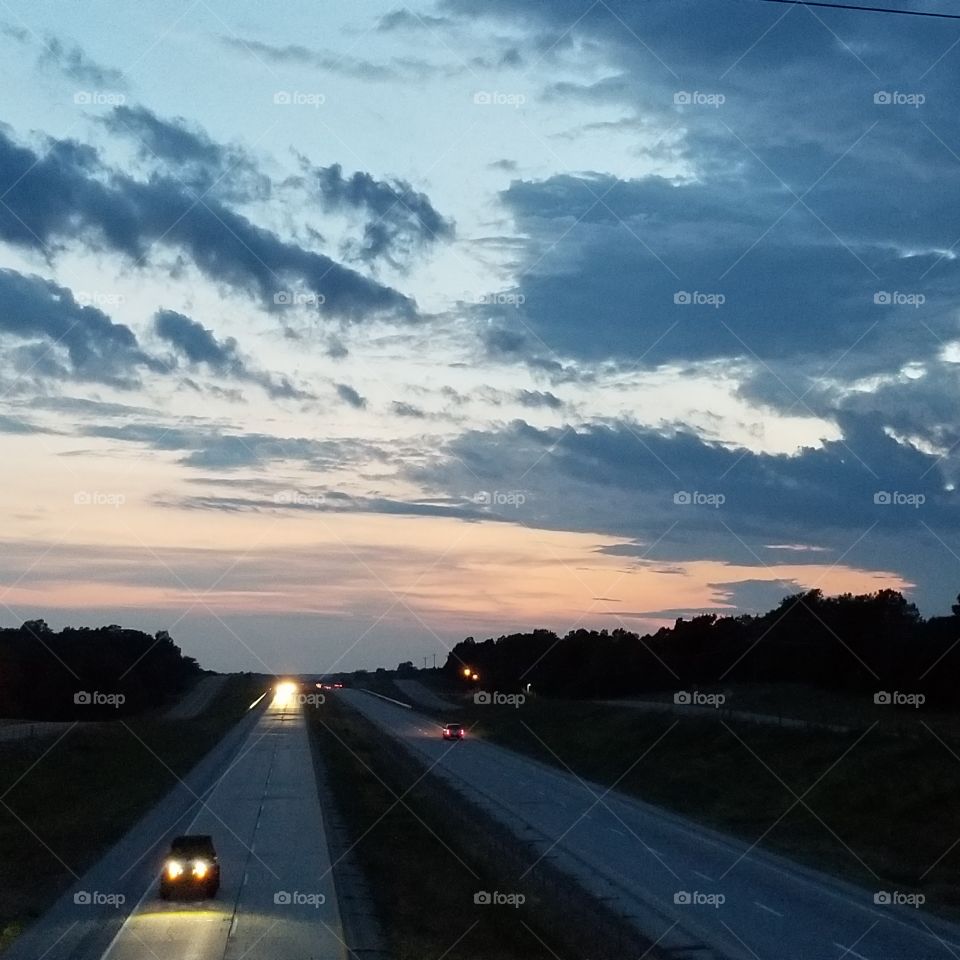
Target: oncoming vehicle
191, 867
453, 731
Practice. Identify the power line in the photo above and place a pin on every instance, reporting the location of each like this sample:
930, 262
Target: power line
850, 6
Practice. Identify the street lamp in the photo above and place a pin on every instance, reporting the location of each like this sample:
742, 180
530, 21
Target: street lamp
467, 671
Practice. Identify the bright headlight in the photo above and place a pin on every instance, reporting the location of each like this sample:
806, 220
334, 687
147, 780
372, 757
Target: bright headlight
199, 869
174, 869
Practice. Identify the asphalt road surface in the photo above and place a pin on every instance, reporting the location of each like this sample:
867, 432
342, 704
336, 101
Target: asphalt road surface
276, 898
682, 882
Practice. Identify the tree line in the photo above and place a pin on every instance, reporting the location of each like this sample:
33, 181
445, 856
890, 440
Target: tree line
83, 673
851, 643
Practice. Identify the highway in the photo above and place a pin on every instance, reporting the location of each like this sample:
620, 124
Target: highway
685, 885
276, 899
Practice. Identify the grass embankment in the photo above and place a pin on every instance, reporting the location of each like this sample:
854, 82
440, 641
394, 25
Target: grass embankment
877, 809
64, 801
422, 863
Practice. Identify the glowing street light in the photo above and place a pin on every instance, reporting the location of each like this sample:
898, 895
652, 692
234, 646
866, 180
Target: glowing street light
467, 671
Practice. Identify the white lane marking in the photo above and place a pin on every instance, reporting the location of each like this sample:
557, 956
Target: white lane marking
847, 952
637, 809
614, 830
703, 876
233, 926
763, 906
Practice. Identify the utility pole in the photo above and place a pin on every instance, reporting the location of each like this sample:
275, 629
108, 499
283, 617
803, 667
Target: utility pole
424, 663
434, 661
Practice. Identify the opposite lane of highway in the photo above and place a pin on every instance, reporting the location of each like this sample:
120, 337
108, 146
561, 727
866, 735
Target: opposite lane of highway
673, 874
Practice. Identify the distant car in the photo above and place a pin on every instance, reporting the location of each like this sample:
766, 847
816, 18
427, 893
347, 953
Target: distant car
453, 731
191, 868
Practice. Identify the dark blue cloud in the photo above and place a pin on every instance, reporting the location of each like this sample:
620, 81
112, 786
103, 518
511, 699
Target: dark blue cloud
400, 220
350, 396
65, 194
867, 499
68, 339
200, 346
174, 146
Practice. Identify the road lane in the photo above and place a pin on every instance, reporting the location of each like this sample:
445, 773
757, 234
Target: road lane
276, 897
645, 860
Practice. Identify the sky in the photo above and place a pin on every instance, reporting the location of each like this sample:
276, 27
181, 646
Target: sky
331, 334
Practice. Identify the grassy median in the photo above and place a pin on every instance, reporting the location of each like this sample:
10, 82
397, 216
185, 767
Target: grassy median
64, 801
422, 872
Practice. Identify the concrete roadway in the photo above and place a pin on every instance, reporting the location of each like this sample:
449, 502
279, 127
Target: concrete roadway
276, 898
642, 860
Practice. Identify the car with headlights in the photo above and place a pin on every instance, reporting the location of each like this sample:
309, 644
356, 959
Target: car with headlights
191, 868
453, 731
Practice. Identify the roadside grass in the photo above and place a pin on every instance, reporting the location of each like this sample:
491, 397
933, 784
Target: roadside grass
875, 809
418, 869
64, 802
